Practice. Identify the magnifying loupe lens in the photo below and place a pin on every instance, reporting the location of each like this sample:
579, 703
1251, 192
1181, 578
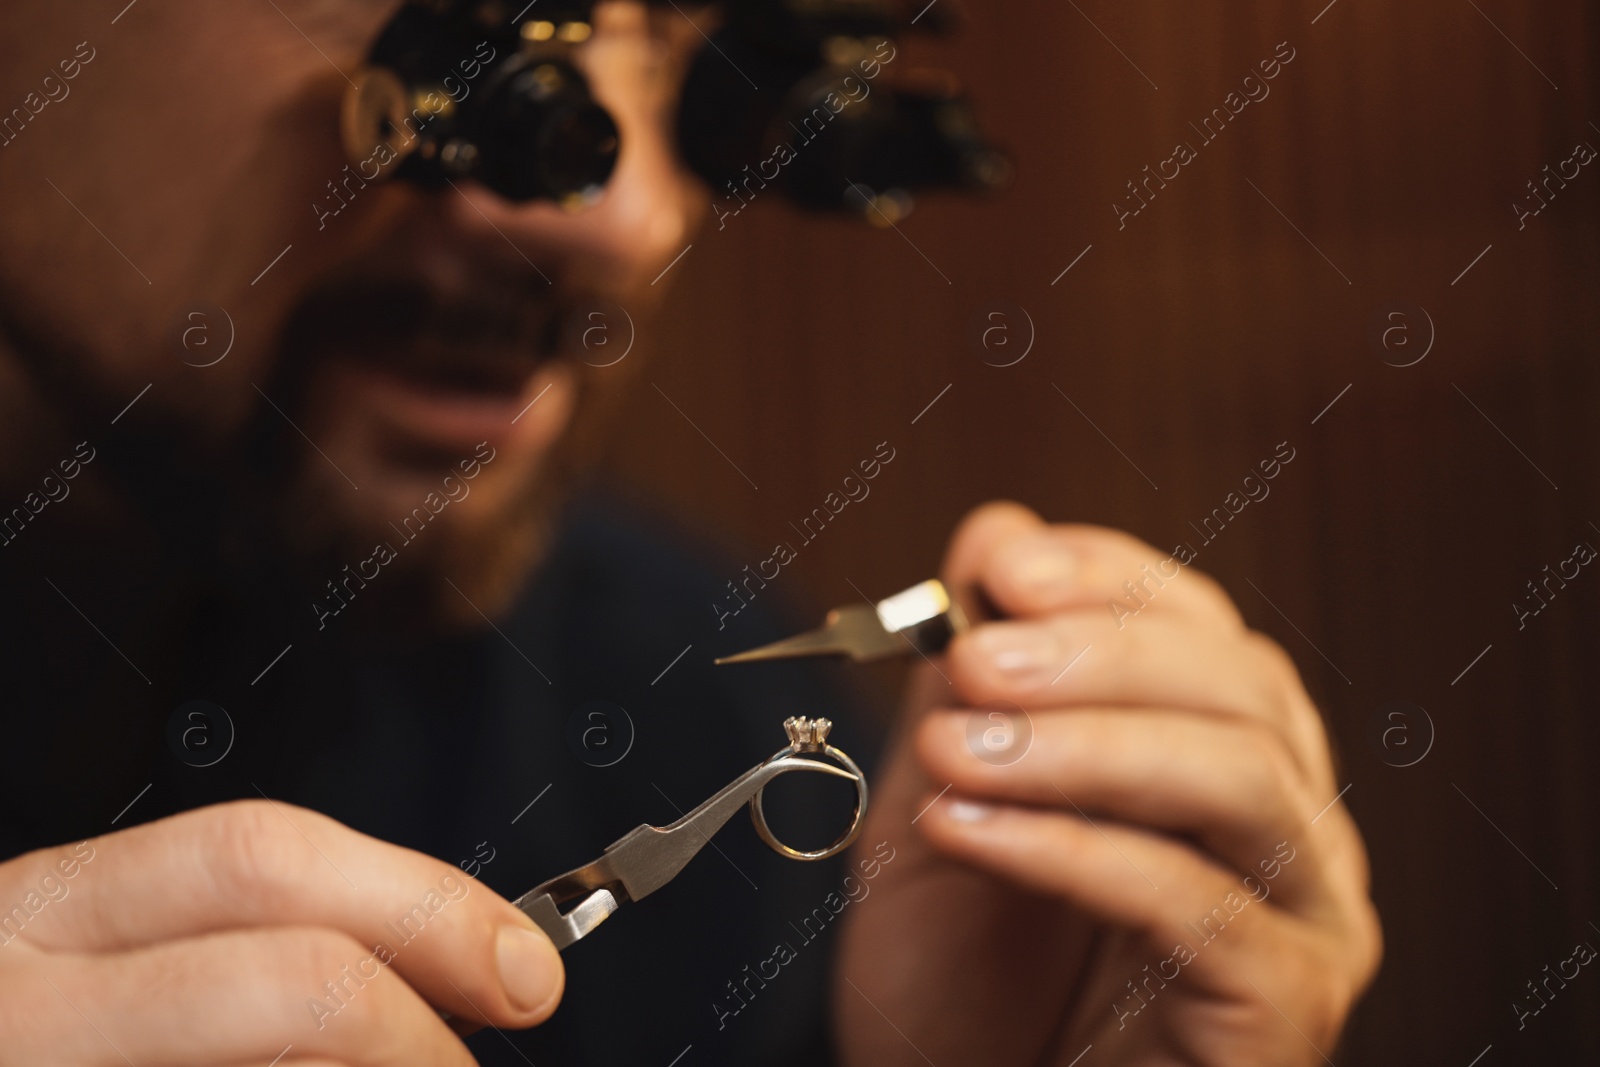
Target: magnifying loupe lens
547, 136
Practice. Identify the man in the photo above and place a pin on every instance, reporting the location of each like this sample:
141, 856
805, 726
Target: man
339, 534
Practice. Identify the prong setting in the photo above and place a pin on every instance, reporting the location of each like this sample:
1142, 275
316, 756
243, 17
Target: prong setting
806, 734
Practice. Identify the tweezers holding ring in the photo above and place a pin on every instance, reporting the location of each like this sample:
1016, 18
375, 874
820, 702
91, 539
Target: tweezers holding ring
648, 857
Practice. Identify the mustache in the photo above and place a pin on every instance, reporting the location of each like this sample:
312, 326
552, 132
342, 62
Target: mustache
359, 313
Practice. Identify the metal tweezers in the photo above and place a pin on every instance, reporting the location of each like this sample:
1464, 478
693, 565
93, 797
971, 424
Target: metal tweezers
921, 619
648, 857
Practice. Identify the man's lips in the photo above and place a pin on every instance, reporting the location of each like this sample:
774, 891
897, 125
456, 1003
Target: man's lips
451, 416
428, 361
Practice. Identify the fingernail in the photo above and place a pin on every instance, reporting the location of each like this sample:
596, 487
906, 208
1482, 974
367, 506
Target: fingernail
1043, 569
1019, 649
530, 967
968, 811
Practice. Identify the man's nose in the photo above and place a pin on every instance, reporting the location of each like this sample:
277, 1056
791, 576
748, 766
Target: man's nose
644, 216
641, 221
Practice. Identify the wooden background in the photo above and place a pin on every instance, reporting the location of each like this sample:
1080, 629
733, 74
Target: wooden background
1197, 338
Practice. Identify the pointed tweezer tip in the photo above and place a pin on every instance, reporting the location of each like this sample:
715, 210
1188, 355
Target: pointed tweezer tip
755, 654
813, 643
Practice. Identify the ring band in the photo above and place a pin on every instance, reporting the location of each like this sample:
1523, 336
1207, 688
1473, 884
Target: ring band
759, 817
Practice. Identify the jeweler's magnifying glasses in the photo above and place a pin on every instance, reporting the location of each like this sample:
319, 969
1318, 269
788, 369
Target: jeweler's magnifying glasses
487, 91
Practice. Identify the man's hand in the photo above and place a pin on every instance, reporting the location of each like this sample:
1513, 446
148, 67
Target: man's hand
1162, 874
230, 934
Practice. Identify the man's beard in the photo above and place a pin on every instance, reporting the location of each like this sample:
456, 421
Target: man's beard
420, 569
253, 517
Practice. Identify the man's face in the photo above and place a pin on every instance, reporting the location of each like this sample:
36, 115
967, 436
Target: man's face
184, 168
